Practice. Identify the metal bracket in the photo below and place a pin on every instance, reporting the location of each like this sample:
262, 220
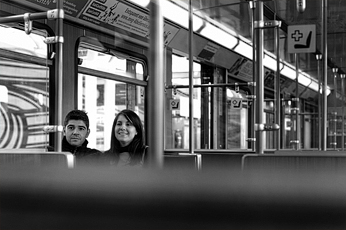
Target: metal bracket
236, 87
55, 14
251, 97
174, 90
252, 139
53, 128
267, 24
266, 127
251, 83
318, 57
56, 39
294, 142
27, 23
252, 5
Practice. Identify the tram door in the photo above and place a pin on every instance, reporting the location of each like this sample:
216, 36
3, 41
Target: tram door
217, 124
108, 84
177, 125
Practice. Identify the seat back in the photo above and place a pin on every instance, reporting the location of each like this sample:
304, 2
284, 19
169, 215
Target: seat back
295, 161
183, 161
36, 158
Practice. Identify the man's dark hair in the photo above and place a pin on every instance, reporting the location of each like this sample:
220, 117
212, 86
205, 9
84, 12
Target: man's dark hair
77, 115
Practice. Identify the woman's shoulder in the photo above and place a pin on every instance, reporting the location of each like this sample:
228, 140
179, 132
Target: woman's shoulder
108, 154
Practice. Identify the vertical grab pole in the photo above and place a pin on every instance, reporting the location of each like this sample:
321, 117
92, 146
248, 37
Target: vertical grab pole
260, 81
342, 76
319, 58
278, 92
325, 57
191, 120
253, 120
296, 142
335, 113
59, 74
156, 87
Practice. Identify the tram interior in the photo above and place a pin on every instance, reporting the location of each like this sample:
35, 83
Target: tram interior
224, 183
236, 17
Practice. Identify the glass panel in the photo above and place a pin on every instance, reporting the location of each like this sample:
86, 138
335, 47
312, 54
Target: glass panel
237, 118
309, 126
24, 93
24, 104
270, 137
332, 130
290, 125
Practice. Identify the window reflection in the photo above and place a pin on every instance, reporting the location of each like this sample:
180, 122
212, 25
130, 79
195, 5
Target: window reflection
18, 41
114, 63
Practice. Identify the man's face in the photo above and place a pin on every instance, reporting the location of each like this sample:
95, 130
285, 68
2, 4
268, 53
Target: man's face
76, 132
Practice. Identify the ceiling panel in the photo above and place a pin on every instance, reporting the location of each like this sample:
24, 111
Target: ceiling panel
237, 15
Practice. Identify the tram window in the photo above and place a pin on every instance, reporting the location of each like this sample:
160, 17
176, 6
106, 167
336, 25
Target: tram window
105, 92
104, 99
24, 95
114, 63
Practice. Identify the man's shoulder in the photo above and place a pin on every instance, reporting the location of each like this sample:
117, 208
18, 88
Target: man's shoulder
92, 151
85, 151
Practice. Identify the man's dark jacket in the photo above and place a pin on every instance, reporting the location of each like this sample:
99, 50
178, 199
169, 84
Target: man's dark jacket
82, 153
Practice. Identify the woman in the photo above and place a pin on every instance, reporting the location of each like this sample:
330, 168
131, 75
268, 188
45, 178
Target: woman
127, 140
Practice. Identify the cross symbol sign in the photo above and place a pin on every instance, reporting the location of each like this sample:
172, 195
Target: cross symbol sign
297, 35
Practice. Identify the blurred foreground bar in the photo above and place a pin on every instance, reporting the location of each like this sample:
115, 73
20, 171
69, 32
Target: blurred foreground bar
108, 198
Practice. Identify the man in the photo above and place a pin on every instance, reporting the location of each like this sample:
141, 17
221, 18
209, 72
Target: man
76, 130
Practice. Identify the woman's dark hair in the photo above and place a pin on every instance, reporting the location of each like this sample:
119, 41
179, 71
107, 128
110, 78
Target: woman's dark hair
136, 148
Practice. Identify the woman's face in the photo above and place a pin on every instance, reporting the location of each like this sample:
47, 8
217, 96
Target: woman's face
124, 131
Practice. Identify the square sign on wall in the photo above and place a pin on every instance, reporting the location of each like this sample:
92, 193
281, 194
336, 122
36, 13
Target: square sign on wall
301, 39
